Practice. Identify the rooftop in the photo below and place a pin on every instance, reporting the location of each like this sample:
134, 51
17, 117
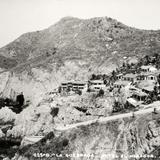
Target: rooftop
120, 74
96, 81
73, 82
120, 82
150, 73
133, 101
131, 75
148, 67
149, 87
140, 93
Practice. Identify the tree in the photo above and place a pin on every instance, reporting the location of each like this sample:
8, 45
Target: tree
88, 90
20, 99
105, 82
79, 92
54, 112
113, 77
104, 76
98, 76
93, 77
59, 89
117, 107
147, 60
100, 93
128, 66
124, 65
7, 101
156, 55
68, 89
158, 79
47, 54
54, 50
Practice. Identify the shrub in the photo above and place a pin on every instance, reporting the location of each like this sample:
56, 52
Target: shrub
88, 90
54, 111
65, 142
79, 92
100, 93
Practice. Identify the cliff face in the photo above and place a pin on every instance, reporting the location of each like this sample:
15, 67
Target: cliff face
122, 138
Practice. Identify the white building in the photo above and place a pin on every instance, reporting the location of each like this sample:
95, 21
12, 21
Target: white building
147, 76
148, 68
96, 85
73, 86
77, 85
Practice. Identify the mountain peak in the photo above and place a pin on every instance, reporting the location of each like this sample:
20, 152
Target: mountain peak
90, 38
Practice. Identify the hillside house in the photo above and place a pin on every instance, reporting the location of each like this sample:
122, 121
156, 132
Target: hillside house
147, 76
96, 85
131, 102
73, 86
64, 86
148, 68
147, 89
130, 77
79, 86
139, 95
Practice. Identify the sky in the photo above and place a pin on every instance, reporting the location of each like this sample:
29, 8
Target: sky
21, 16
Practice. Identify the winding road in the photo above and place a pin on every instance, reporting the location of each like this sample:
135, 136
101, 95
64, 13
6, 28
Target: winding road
34, 139
106, 119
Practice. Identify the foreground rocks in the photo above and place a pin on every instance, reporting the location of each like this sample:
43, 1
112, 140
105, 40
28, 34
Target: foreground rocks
124, 137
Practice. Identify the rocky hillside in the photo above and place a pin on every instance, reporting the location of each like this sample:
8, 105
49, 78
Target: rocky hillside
96, 42
120, 139
72, 49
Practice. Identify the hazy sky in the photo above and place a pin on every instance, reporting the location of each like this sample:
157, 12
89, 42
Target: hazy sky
20, 16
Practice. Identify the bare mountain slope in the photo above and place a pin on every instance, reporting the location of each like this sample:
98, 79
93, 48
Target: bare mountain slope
99, 40
83, 47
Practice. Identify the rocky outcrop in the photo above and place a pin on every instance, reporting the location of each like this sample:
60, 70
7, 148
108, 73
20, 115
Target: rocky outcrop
122, 139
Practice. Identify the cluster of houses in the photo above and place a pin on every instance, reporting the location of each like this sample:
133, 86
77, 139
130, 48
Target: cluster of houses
141, 85
149, 73
91, 85
140, 82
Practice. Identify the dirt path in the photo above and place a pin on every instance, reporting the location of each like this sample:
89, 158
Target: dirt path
106, 119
